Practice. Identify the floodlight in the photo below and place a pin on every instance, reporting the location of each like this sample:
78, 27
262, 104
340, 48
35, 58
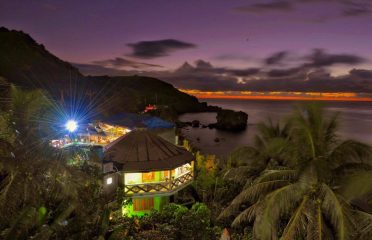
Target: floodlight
109, 180
71, 125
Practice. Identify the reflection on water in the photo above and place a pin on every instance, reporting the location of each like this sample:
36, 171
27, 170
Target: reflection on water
355, 122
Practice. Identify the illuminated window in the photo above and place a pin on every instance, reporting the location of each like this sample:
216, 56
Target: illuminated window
109, 180
165, 175
133, 178
148, 177
143, 204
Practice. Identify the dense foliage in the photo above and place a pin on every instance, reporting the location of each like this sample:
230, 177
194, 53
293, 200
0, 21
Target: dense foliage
303, 182
172, 222
40, 195
298, 181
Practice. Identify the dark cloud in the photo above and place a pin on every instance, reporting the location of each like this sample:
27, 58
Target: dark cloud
318, 74
243, 72
361, 73
203, 64
232, 57
158, 48
98, 70
285, 72
265, 7
320, 58
346, 8
355, 12
185, 68
311, 74
294, 79
206, 68
318, 80
203, 82
123, 63
204, 76
276, 58
356, 8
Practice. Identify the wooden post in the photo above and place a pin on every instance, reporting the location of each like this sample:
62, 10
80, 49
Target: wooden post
170, 180
123, 185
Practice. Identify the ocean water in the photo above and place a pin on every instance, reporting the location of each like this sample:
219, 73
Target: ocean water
355, 122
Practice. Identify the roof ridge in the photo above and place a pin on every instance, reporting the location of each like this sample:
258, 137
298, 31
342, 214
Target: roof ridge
143, 150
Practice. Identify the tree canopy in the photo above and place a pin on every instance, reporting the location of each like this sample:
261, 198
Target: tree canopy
307, 183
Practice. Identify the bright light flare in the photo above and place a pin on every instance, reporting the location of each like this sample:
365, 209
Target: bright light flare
71, 125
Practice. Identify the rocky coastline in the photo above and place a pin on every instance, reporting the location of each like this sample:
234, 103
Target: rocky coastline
227, 120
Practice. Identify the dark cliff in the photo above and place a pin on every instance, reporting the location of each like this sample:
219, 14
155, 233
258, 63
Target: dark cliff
26, 63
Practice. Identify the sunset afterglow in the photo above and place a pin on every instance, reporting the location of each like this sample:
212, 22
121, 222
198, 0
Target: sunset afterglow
318, 96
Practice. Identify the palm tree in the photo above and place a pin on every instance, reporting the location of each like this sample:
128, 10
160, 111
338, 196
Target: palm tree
267, 151
312, 195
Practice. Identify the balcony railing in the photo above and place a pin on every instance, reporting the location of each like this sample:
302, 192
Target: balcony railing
159, 187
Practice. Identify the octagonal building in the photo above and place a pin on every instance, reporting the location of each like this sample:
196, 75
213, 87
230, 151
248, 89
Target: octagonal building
147, 168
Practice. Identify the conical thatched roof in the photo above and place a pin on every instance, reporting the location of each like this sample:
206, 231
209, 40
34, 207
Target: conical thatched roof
141, 150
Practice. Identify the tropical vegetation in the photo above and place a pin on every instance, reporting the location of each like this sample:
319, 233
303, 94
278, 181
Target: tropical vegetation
41, 196
299, 180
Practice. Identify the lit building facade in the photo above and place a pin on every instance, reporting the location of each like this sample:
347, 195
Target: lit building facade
138, 158
97, 133
147, 169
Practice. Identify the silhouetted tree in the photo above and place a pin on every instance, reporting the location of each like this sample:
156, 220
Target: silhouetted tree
308, 193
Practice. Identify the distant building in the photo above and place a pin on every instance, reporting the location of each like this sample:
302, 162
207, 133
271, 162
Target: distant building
149, 108
103, 130
97, 133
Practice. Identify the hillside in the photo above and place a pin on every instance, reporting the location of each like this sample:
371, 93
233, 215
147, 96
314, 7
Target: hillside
26, 63
134, 92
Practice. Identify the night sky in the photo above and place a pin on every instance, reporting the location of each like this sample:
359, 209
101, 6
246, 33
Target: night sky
294, 45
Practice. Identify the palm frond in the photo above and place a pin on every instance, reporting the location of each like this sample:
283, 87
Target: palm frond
319, 179
284, 174
318, 223
350, 169
277, 204
337, 212
231, 210
351, 151
356, 186
274, 147
305, 129
240, 174
364, 225
247, 215
269, 129
317, 228
297, 223
19, 228
254, 192
330, 130
242, 156
5, 185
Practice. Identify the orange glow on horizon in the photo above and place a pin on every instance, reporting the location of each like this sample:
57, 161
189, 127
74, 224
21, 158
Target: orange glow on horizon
282, 96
